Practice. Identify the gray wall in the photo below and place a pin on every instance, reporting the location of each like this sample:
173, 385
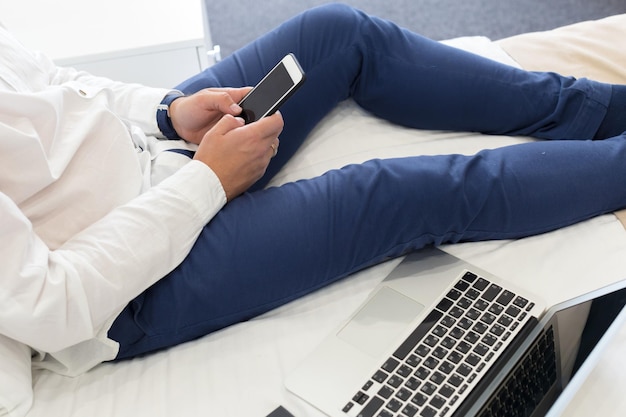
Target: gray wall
236, 22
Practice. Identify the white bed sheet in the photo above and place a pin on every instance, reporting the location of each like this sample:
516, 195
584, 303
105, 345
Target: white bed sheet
239, 371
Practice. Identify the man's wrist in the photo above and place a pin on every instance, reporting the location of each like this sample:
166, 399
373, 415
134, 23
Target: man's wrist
163, 115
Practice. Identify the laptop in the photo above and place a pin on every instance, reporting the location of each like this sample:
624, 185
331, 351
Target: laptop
441, 337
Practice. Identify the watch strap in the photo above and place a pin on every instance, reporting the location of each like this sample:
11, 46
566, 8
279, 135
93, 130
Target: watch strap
164, 121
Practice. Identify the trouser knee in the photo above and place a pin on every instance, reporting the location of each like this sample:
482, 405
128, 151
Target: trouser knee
325, 20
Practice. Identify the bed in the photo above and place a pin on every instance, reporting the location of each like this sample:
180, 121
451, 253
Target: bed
239, 371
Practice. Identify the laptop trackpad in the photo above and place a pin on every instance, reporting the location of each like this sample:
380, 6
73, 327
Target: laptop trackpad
381, 320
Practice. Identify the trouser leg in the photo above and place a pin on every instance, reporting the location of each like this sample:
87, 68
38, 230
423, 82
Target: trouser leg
267, 248
407, 79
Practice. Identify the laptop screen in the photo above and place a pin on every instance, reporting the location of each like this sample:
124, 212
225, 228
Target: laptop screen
554, 357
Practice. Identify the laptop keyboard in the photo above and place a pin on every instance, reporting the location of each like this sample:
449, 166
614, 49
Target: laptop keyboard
529, 382
436, 367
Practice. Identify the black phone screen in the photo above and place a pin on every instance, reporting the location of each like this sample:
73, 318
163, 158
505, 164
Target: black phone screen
266, 96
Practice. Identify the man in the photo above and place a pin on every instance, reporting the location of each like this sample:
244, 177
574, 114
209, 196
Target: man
115, 243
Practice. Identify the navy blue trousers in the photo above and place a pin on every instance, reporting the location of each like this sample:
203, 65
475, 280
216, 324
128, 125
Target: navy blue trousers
270, 246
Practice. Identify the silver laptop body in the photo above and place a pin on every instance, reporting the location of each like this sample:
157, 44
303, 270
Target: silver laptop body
441, 337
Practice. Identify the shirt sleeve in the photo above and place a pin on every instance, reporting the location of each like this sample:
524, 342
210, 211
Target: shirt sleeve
55, 299
135, 103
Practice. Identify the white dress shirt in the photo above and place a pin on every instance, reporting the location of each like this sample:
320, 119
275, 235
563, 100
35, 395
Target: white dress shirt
92, 210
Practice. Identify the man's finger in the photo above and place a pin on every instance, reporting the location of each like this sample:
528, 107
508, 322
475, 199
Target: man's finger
228, 123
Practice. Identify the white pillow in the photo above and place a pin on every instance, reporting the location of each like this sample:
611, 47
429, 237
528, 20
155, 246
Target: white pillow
16, 381
592, 49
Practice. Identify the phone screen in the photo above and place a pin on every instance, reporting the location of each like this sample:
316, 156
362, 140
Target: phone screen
267, 95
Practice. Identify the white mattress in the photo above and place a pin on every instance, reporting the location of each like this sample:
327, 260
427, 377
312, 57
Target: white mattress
240, 371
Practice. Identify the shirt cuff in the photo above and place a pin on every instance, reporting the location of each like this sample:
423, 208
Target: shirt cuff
201, 187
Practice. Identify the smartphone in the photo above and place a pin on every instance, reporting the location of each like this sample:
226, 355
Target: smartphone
273, 90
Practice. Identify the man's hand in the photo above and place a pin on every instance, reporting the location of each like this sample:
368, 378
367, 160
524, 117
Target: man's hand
239, 153
193, 116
